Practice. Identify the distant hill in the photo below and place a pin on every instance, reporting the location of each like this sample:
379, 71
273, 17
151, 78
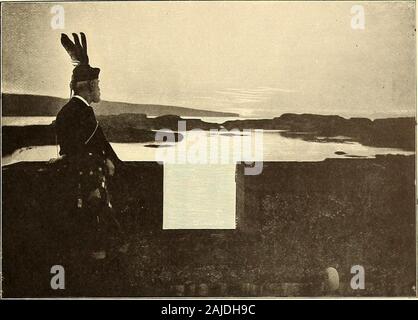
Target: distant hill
34, 105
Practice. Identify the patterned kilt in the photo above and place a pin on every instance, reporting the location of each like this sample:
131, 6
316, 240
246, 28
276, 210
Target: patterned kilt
99, 229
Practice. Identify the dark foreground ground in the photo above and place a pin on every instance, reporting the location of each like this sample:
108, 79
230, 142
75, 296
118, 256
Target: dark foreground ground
293, 221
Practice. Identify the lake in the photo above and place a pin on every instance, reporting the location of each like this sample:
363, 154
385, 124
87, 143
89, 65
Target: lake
199, 171
274, 148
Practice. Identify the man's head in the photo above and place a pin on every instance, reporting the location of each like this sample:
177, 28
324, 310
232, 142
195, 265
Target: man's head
85, 82
88, 89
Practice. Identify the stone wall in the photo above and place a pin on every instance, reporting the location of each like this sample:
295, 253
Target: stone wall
293, 221
335, 213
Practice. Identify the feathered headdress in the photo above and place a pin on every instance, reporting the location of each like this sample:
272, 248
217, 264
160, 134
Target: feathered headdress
79, 58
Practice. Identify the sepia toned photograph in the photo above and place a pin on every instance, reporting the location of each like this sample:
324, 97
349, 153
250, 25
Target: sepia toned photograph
220, 149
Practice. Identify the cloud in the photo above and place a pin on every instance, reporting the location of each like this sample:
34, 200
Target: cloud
259, 94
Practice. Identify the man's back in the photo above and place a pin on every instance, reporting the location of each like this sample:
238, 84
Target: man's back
75, 123
78, 132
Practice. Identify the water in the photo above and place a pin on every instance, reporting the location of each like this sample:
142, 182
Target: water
274, 147
218, 120
25, 121
199, 171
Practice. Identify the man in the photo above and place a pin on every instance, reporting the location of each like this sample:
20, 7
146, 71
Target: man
91, 158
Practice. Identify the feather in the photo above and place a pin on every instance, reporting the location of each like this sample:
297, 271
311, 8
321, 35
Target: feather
70, 48
76, 50
79, 49
84, 44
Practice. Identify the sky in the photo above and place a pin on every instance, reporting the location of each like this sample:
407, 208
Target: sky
258, 59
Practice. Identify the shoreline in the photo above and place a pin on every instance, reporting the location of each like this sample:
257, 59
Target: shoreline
390, 133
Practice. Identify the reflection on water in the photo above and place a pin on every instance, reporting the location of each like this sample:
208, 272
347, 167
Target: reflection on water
274, 148
25, 121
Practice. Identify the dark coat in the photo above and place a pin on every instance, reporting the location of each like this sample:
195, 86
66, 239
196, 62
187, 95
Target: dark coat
86, 149
79, 134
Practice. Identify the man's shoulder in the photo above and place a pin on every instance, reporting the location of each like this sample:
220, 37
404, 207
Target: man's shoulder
72, 108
